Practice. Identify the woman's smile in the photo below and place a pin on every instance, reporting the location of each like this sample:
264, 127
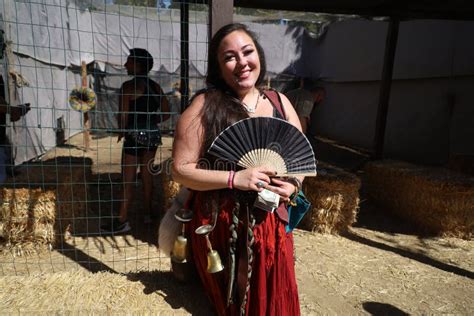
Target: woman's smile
243, 75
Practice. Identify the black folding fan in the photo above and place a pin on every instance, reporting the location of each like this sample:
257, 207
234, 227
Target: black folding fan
268, 141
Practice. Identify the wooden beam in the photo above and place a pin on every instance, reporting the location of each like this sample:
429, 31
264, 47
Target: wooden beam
87, 123
404, 10
385, 86
220, 14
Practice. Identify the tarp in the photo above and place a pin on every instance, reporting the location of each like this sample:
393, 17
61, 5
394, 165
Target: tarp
353, 50
47, 92
67, 35
430, 109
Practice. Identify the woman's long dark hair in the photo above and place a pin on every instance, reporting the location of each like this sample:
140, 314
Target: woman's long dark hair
221, 107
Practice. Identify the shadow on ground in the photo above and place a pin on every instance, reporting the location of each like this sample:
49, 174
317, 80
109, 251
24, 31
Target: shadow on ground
422, 258
176, 294
105, 196
376, 308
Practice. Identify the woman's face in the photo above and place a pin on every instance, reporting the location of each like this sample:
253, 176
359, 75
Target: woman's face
239, 62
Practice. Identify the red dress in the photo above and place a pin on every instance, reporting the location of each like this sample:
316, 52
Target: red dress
273, 289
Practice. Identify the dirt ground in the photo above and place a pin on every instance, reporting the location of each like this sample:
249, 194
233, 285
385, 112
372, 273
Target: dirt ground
381, 267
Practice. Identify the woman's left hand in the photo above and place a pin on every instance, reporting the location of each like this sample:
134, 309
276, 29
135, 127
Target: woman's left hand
283, 188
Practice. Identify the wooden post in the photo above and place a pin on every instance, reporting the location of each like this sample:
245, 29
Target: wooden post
220, 14
86, 126
385, 86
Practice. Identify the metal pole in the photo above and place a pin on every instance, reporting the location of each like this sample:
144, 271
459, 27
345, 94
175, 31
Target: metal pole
184, 22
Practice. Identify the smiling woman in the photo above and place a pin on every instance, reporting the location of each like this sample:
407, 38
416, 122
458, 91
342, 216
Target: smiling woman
258, 276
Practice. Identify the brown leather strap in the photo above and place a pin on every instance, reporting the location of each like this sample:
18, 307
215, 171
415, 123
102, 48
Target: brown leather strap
282, 212
274, 98
243, 264
244, 269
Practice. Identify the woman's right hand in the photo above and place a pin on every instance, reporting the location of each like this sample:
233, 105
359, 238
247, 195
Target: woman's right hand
249, 179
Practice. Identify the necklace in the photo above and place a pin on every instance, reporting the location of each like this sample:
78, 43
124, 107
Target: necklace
251, 109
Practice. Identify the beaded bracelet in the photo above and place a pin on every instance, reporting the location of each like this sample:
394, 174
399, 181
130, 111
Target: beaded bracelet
298, 185
230, 179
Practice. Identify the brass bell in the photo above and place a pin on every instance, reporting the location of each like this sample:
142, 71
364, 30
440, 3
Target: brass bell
181, 263
180, 249
214, 263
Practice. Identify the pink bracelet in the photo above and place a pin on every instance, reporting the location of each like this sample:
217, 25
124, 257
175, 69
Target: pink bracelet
230, 179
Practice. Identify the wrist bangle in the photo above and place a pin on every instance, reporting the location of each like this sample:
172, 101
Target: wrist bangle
297, 183
230, 179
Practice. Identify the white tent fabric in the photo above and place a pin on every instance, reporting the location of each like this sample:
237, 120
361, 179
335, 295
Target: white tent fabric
67, 35
47, 92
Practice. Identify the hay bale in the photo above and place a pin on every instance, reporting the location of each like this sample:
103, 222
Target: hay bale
334, 195
461, 163
437, 200
170, 187
42, 202
28, 219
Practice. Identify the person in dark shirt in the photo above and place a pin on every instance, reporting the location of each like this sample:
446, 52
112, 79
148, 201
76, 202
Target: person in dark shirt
140, 106
16, 112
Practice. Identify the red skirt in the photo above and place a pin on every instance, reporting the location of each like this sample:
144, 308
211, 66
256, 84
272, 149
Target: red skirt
273, 289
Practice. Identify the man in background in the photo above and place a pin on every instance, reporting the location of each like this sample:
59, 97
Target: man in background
16, 112
304, 99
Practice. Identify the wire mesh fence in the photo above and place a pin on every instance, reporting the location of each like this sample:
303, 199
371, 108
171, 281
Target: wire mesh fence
72, 165
86, 84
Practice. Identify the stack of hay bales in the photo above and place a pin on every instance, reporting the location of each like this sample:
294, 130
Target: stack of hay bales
334, 195
437, 200
42, 203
